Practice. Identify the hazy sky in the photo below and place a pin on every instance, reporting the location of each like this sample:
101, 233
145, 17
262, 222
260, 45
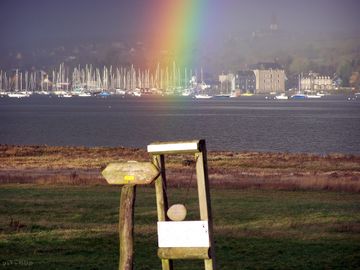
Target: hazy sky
25, 22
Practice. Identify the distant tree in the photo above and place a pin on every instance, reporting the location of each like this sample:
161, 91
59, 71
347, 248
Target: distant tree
344, 71
298, 65
354, 80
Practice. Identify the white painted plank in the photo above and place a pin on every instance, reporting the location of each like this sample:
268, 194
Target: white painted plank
183, 234
168, 147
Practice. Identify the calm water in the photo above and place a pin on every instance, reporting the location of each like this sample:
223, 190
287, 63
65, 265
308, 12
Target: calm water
320, 126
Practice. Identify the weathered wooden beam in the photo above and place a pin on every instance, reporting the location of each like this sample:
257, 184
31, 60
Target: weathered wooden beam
126, 226
184, 253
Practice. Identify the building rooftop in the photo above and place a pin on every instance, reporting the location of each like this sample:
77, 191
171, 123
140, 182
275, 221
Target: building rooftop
245, 73
266, 65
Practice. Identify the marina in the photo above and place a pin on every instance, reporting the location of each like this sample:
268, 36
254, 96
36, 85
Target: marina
90, 81
161, 80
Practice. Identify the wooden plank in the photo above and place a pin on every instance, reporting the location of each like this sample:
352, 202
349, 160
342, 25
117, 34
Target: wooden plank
160, 188
181, 147
135, 173
184, 253
126, 227
202, 180
161, 200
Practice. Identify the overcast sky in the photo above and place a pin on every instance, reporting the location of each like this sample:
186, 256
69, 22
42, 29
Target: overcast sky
35, 21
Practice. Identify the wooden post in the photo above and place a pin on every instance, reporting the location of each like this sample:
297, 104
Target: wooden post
204, 199
126, 226
128, 174
161, 200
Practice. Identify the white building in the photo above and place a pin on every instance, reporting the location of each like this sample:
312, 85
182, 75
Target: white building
315, 82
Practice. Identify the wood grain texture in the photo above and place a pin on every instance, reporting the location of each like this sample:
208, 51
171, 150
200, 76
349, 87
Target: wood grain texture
184, 253
134, 173
126, 227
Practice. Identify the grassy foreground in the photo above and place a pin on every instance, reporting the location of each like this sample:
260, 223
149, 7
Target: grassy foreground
75, 227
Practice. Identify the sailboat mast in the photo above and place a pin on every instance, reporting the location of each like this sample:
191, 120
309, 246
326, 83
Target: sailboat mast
17, 80
26, 81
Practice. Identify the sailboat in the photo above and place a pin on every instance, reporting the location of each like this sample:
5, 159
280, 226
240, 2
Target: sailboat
18, 95
203, 86
67, 95
299, 95
186, 93
84, 94
282, 97
313, 96
203, 96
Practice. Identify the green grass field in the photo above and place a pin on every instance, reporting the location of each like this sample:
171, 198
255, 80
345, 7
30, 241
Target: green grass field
75, 227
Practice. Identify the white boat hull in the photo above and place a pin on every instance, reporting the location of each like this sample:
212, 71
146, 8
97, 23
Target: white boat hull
313, 96
18, 95
202, 96
281, 97
84, 95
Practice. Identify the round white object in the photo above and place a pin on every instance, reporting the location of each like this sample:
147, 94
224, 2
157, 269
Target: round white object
177, 212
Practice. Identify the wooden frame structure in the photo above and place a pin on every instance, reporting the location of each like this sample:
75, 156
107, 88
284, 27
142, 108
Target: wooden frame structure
198, 148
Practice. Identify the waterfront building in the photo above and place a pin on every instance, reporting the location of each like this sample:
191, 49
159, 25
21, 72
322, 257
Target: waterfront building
270, 78
315, 82
245, 81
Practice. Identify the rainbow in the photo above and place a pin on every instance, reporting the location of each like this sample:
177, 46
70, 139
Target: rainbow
176, 31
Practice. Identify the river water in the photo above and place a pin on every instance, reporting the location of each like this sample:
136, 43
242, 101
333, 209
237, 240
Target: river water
242, 124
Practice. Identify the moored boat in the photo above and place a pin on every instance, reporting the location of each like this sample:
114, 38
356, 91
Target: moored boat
221, 96
18, 94
313, 96
186, 93
282, 97
299, 96
203, 96
136, 94
104, 94
121, 92
84, 94
3, 93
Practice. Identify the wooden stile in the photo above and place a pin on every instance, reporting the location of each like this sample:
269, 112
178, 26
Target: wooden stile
158, 150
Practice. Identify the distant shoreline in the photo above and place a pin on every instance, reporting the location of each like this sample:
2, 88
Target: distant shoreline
57, 165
